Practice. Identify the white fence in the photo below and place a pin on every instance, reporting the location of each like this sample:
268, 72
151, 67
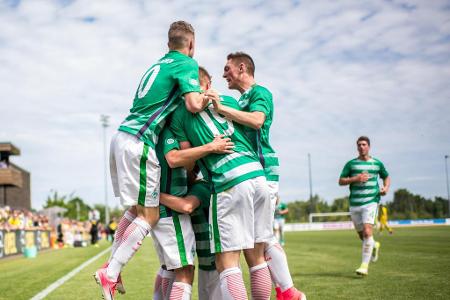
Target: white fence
317, 226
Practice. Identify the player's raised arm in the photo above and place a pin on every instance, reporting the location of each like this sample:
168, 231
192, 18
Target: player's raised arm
254, 119
195, 102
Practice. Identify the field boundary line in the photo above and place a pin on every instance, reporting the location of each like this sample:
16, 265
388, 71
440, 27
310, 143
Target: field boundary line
44, 293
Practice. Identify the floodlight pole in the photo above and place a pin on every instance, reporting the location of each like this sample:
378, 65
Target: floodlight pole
105, 123
448, 190
310, 179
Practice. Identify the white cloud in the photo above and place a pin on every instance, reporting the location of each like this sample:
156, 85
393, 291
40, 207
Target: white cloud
337, 70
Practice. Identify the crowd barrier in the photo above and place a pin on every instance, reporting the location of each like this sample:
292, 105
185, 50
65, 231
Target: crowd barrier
317, 226
16, 241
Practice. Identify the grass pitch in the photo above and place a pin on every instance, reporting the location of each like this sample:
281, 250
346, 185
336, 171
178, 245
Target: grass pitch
414, 263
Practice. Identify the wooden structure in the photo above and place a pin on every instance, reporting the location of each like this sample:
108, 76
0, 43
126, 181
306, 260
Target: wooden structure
14, 181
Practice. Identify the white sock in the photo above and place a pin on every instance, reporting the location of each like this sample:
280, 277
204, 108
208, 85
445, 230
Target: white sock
181, 291
168, 278
277, 261
124, 222
261, 284
131, 241
232, 284
367, 248
157, 291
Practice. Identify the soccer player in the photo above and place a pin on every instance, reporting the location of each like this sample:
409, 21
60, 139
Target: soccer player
196, 203
255, 112
383, 218
280, 214
361, 174
135, 170
173, 235
240, 215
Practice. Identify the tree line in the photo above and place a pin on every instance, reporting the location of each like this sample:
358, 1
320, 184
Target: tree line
77, 209
405, 205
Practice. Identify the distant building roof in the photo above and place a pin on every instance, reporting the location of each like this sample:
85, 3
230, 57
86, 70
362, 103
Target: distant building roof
8, 147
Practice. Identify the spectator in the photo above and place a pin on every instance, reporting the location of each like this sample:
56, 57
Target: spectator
111, 230
94, 233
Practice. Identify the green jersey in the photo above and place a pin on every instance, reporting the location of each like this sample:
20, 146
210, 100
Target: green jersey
362, 193
258, 98
159, 94
223, 170
281, 206
199, 219
173, 181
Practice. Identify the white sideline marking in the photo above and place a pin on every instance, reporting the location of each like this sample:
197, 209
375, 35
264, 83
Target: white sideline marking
42, 294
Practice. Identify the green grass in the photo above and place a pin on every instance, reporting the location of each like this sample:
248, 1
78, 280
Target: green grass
414, 264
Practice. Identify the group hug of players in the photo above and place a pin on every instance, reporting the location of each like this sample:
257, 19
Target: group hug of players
197, 172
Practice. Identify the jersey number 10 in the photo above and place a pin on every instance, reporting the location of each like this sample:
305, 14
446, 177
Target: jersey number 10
152, 73
208, 119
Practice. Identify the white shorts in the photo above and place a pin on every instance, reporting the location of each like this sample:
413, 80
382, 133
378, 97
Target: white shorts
135, 171
278, 224
209, 285
365, 214
174, 241
273, 190
240, 216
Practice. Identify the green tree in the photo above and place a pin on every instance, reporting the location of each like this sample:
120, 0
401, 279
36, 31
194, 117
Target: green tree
54, 199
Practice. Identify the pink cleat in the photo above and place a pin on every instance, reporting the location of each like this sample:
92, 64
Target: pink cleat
107, 285
293, 294
119, 287
279, 293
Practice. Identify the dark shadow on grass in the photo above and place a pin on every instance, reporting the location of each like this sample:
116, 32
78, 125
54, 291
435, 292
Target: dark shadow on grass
328, 274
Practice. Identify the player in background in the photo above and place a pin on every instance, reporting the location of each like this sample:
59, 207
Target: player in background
361, 174
240, 211
135, 171
173, 235
383, 219
255, 112
280, 214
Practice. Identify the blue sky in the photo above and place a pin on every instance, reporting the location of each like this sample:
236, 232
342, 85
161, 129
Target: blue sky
337, 70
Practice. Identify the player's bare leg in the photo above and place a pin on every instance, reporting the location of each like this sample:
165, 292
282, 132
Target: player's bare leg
261, 283
182, 286
368, 246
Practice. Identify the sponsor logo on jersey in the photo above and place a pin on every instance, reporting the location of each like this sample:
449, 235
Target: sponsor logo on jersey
170, 141
193, 81
166, 61
243, 103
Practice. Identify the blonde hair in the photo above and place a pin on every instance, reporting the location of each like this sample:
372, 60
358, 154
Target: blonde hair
203, 75
179, 34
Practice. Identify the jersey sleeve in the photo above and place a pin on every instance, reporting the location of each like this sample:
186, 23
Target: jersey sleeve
230, 102
202, 191
169, 141
177, 124
346, 171
261, 102
187, 77
383, 172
